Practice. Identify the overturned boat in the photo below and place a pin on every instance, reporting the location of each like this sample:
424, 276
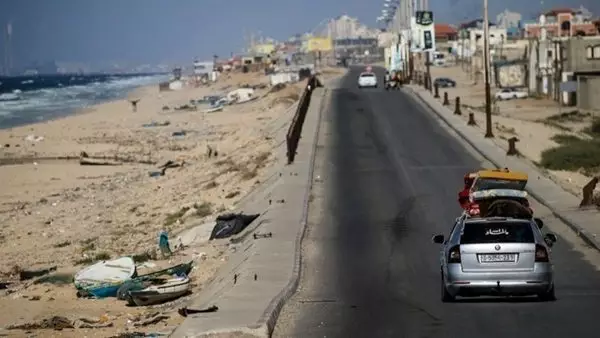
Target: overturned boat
104, 278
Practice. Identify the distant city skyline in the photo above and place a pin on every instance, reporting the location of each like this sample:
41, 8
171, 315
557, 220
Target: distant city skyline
100, 34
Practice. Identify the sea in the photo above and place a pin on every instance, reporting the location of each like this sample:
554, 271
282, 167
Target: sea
31, 99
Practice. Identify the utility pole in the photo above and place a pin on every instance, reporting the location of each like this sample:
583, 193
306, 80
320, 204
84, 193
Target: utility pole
486, 65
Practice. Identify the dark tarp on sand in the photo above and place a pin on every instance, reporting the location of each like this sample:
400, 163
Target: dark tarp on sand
231, 224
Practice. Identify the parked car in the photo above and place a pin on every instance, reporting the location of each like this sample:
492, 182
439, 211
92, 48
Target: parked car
496, 256
444, 82
511, 93
367, 79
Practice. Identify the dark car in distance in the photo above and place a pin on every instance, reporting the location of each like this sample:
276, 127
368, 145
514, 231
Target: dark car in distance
444, 82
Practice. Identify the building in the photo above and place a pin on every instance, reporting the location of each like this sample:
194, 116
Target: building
445, 32
581, 64
511, 21
497, 37
570, 63
350, 38
561, 22
346, 27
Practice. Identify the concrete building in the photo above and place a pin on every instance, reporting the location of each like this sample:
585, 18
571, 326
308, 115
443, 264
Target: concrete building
346, 27
561, 22
511, 21
572, 62
581, 63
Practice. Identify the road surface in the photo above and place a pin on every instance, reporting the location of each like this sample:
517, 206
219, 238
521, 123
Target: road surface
388, 174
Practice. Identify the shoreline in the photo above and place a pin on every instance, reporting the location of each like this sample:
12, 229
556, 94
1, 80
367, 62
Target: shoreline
60, 213
59, 113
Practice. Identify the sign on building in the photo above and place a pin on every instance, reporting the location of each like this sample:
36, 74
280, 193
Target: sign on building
568, 86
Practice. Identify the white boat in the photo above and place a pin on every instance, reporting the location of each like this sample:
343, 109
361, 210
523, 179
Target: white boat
104, 278
169, 290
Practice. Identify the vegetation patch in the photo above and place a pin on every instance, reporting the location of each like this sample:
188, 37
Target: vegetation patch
572, 116
572, 154
594, 129
565, 138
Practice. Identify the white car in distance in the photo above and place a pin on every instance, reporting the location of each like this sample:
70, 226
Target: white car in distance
367, 79
510, 93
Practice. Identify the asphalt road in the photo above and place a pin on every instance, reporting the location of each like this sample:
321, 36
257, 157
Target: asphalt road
388, 174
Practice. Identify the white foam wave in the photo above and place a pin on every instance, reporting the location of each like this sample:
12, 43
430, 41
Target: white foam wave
52, 99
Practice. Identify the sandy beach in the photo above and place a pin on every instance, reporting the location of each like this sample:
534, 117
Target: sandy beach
57, 213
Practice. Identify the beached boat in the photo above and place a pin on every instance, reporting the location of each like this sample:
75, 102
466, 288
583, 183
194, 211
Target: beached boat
142, 281
167, 290
104, 279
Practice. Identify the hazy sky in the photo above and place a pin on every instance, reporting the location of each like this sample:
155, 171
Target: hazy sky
152, 31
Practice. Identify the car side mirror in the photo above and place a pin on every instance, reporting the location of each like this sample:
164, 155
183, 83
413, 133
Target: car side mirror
438, 239
539, 222
550, 239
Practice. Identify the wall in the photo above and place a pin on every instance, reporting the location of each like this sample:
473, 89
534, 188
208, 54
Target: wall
533, 30
497, 37
512, 75
576, 56
587, 93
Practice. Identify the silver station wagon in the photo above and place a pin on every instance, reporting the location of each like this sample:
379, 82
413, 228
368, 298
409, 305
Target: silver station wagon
496, 256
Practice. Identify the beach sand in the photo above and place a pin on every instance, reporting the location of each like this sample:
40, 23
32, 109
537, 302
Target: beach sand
56, 212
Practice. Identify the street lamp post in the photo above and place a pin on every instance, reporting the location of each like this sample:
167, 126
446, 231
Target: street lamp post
486, 65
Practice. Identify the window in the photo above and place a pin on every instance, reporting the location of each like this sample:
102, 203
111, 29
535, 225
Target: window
550, 53
596, 52
493, 183
592, 52
367, 75
497, 232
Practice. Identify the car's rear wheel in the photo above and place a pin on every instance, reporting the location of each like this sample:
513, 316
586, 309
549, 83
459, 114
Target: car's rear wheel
446, 296
548, 296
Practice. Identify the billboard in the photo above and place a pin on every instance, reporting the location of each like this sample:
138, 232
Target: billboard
319, 45
423, 32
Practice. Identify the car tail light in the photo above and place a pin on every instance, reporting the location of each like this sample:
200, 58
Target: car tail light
454, 254
541, 254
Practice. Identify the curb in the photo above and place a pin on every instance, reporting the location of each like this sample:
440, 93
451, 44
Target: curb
579, 231
271, 315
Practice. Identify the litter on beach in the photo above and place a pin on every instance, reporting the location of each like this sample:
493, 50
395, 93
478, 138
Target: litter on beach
156, 124
231, 224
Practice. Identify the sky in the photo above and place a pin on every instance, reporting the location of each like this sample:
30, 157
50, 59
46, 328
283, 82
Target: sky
167, 31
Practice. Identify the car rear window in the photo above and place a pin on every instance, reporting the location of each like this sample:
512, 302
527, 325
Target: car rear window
367, 75
497, 232
493, 183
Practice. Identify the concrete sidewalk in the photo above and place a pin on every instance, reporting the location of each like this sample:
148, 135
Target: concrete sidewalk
564, 205
263, 273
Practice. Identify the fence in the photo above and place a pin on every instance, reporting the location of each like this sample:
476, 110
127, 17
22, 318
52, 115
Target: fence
295, 131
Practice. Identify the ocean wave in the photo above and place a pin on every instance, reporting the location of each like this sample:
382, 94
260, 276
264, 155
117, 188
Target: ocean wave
47, 103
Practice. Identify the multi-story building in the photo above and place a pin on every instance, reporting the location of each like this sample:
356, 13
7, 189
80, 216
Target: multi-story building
567, 69
561, 22
511, 21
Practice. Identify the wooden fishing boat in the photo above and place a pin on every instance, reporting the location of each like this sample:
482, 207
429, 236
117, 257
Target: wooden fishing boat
142, 281
167, 290
104, 279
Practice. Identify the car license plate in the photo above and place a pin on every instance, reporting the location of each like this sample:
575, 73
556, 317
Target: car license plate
494, 258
